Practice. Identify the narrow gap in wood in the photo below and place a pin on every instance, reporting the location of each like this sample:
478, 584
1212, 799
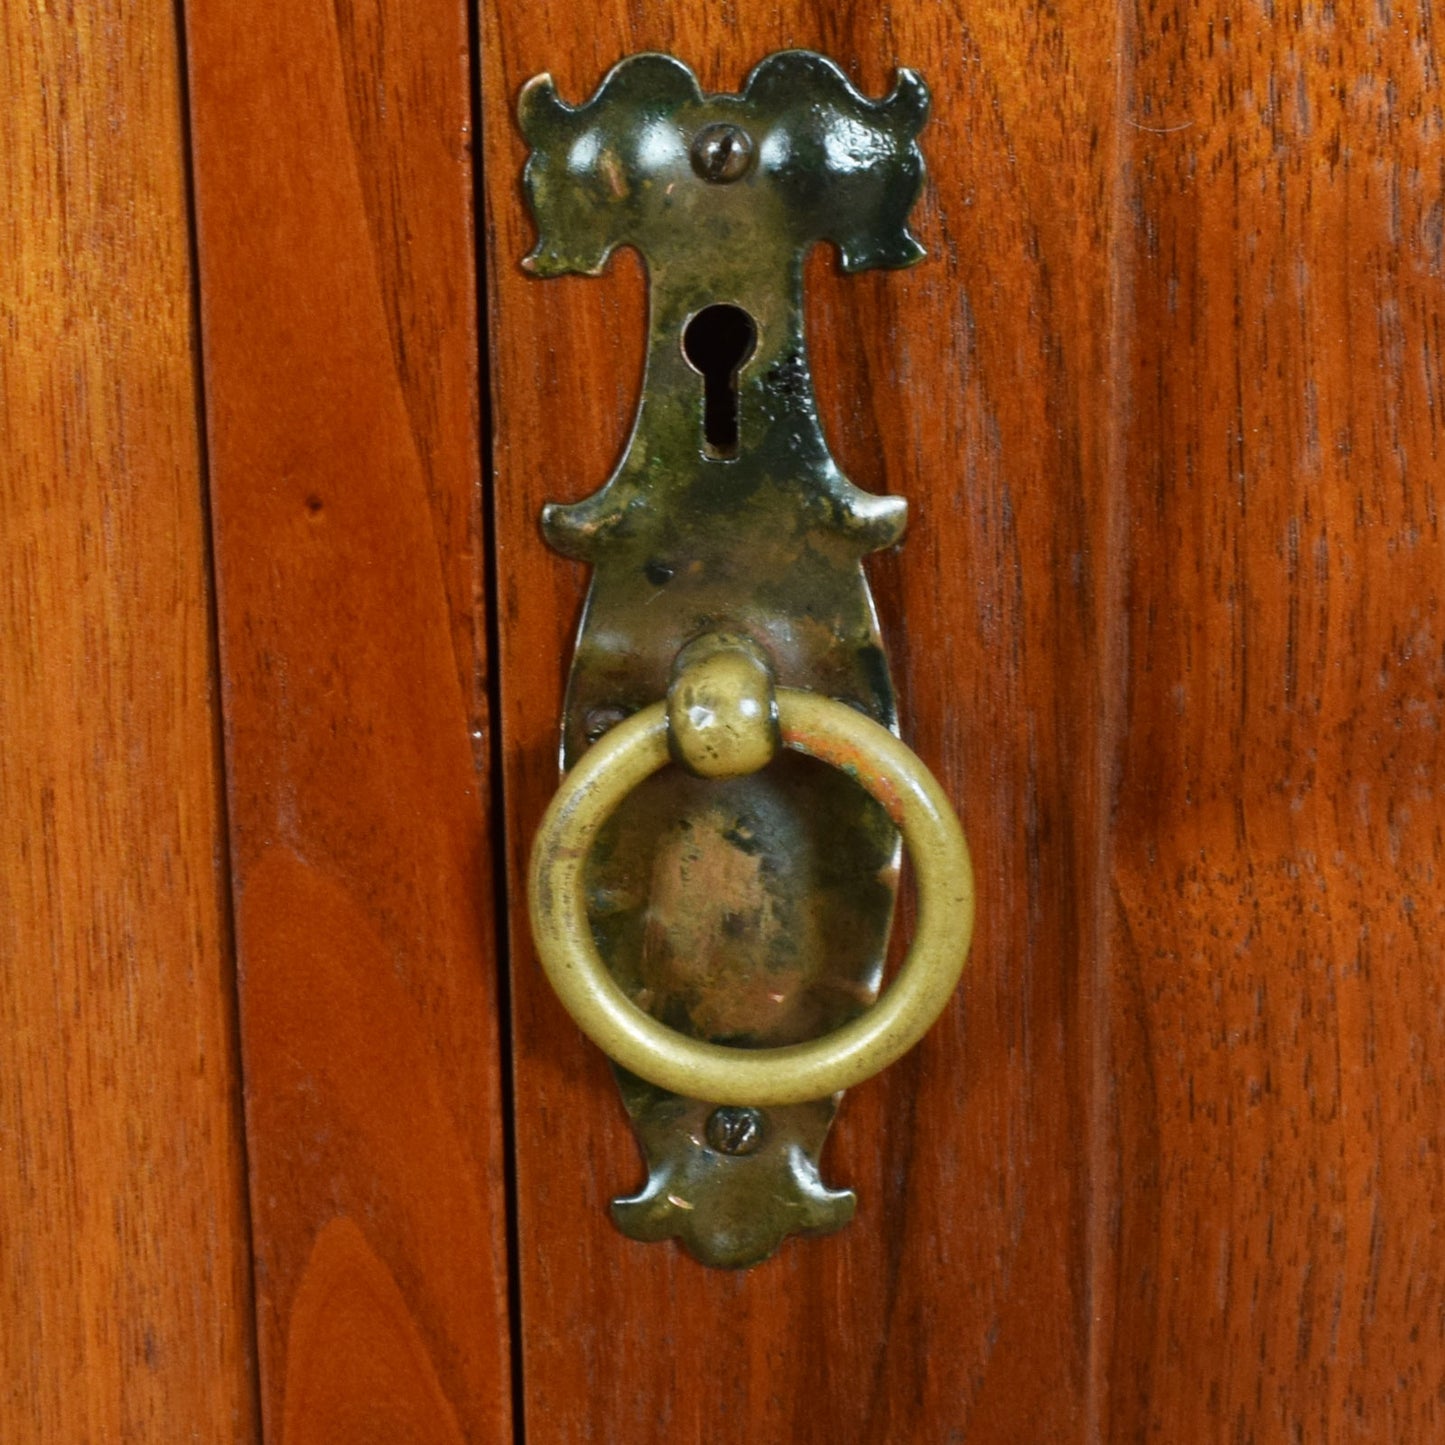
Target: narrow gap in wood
492, 613
220, 742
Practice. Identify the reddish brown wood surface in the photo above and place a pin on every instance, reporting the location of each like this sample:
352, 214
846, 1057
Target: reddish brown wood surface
124, 1280
339, 326
1165, 401
976, 386
1273, 968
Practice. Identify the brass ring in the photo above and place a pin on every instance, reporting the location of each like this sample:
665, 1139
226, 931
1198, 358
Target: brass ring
834, 733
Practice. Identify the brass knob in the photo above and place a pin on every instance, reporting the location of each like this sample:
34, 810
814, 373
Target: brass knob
834, 733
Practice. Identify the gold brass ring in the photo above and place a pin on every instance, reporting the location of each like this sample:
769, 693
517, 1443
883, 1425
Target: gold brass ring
834, 733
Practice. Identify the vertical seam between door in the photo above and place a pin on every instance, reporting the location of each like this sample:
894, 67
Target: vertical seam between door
496, 772
220, 748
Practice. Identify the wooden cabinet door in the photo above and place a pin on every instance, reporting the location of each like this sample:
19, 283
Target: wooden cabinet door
1166, 404
1165, 400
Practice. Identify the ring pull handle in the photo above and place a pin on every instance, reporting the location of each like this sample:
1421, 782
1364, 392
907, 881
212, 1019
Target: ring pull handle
722, 718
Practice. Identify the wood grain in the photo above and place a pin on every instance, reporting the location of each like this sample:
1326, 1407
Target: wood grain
1276, 1017
124, 1271
959, 1302
339, 325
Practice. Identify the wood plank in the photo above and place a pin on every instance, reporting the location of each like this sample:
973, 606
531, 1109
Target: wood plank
339, 325
124, 1260
959, 1301
1277, 1005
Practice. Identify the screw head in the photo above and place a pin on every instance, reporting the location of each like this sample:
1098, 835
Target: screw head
733, 1130
722, 153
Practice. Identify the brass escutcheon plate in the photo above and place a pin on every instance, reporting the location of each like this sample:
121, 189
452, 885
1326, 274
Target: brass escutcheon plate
753, 911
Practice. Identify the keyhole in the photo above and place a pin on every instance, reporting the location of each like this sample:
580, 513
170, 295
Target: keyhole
716, 342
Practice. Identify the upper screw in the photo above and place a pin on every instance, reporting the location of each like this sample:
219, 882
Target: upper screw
722, 152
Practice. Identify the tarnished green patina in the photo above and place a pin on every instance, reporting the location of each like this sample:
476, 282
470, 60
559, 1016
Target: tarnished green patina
756, 910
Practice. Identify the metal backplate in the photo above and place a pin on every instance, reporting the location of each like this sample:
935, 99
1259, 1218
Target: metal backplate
754, 911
